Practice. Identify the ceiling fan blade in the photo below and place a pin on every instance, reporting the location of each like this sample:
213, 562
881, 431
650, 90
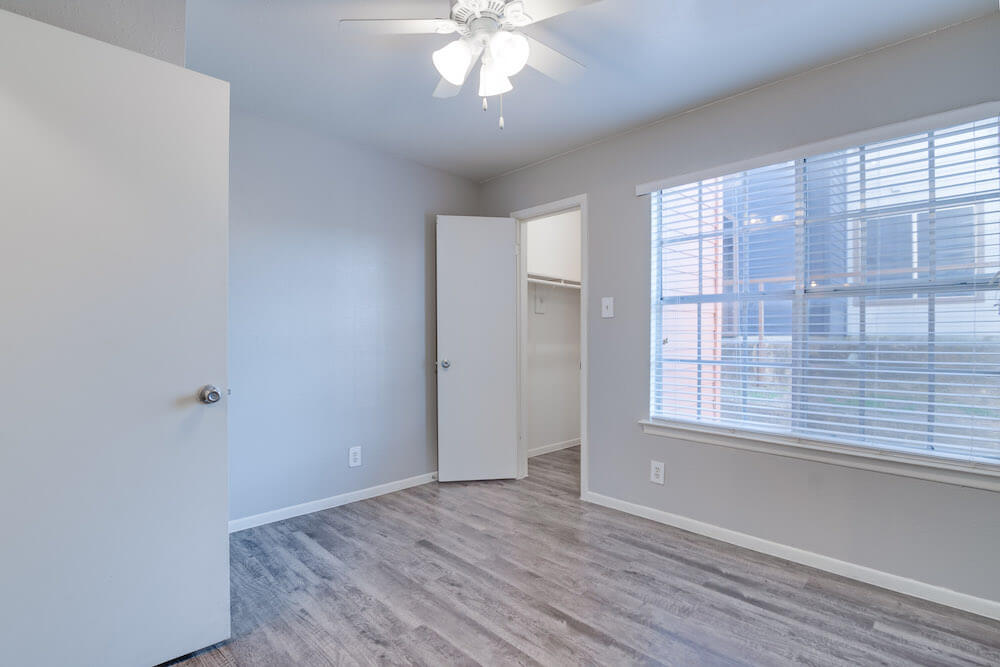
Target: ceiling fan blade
551, 63
398, 26
539, 10
446, 89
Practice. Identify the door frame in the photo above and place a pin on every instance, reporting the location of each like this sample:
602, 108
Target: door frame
577, 202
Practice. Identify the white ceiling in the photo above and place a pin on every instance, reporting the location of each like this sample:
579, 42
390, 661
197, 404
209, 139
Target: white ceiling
645, 59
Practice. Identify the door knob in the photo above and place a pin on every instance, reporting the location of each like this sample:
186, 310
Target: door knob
209, 394
445, 363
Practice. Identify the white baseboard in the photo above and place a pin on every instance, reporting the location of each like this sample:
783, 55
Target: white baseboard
554, 447
326, 503
892, 582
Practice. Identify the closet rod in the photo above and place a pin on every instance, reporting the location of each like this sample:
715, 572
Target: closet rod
556, 283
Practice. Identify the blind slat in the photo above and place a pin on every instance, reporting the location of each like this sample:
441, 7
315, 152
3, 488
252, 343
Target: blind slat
853, 295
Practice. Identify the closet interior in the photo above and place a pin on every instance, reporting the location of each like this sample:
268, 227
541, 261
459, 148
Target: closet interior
551, 381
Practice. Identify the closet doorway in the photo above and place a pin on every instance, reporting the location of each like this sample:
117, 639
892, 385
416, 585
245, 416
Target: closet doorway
552, 331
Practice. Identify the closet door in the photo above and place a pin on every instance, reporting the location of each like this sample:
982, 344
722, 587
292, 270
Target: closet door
477, 344
113, 263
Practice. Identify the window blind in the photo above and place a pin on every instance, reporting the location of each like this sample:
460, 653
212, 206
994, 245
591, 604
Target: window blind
852, 297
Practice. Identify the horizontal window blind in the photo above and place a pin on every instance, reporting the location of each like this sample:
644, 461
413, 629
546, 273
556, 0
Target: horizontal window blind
852, 297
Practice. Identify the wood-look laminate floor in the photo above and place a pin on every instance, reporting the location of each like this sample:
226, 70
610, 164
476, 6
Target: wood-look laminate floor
523, 572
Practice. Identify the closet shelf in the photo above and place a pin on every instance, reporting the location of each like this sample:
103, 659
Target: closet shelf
555, 282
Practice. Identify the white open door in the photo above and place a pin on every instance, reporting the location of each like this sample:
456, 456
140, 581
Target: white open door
477, 348
113, 265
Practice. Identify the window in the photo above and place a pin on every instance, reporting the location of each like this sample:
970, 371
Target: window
851, 297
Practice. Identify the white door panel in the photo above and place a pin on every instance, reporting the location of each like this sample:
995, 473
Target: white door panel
477, 343
113, 270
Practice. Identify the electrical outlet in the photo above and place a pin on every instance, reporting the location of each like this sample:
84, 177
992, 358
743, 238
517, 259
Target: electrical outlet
354, 457
656, 474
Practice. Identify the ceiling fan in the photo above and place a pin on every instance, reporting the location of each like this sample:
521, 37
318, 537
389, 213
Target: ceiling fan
488, 31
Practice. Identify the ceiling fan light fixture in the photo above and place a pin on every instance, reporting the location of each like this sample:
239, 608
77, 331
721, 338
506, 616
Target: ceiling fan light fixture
509, 51
492, 81
452, 61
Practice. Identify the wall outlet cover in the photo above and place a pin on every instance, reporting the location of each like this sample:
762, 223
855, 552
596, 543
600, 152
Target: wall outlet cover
656, 472
354, 457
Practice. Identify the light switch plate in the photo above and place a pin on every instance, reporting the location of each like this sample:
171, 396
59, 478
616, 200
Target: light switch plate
607, 307
354, 457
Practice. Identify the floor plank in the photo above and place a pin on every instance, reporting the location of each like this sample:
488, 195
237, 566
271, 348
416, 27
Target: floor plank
524, 573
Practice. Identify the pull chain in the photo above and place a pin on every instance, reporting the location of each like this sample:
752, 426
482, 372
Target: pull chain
501, 112
485, 105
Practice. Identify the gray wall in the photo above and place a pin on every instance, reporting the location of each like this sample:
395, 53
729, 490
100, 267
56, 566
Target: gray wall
552, 380
331, 314
153, 27
940, 534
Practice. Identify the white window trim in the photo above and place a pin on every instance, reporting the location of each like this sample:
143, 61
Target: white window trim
972, 474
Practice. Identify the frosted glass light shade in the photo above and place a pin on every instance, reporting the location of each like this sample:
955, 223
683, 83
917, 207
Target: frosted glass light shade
492, 81
453, 61
509, 51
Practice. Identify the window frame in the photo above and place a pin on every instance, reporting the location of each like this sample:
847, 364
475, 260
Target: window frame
973, 473
979, 248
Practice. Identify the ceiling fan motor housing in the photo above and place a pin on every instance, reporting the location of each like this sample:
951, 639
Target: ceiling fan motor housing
482, 28
479, 18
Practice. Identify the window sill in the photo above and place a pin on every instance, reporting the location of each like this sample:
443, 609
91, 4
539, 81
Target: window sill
948, 471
